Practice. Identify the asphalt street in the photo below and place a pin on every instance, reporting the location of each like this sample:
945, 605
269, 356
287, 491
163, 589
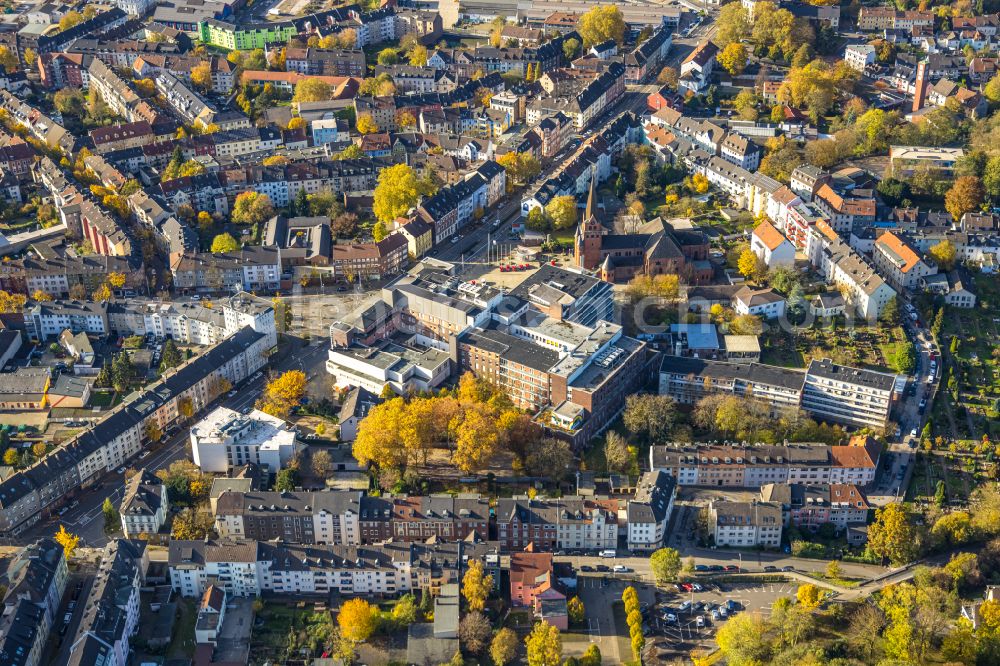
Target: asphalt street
87, 520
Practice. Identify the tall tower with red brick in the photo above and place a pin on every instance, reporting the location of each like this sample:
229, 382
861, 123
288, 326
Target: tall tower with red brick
587, 245
920, 88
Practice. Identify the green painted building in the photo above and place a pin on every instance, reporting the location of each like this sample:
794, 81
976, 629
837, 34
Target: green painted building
245, 38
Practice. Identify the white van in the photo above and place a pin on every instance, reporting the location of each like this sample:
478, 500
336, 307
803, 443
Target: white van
609, 553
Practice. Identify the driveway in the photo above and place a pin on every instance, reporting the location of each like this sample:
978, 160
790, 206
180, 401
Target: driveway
233, 642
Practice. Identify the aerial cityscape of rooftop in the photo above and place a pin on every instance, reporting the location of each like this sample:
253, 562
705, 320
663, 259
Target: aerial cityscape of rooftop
493, 332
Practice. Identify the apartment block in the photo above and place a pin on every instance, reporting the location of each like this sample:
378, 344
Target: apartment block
745, 524
549, 524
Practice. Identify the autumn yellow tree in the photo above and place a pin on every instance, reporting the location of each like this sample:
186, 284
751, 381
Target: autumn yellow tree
296, 123
544, 645
67, 540
476, 586
116, 280
201, 76
750, 265
312, 90
10, 302
396, 192
283, 394
102, 293
733, 58
809, 596
602, 23
366, 124
41, 296
358, 620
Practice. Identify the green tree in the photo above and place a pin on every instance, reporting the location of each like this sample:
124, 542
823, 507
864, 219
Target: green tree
251, 208
123, 372
571, 48
111, 520
388, 56
905, 360
378, 231
890, 312
651, 417
665, 564
171, 357
286, 480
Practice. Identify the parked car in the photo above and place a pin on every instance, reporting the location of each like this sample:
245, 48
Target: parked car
621, 568
699, 621
587, 568
770, 568
669, 618
701, 567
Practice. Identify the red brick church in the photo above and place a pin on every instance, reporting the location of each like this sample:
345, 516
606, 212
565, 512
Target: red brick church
655, 249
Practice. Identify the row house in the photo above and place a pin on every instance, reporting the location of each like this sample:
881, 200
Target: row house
370, 261
647, 58
588, 104
111, 610
753, 466
101, 22
40, 125
122, 136
445, 517
649, 512
843, 213
282, 183
35, 580
864, 289
249, 568
567, 523
64, 70
57, 275
17, 158
323, 62
888, 18
807, 507
223, 71
254, 268
745, 524
455, 205
35, 492
202, 192
899, 262
327, 517
118, 95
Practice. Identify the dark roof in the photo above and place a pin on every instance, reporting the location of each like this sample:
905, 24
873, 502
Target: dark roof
756, 373
358, 403
511, 348
829, 370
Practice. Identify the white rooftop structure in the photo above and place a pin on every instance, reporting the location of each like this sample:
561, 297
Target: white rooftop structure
225, 438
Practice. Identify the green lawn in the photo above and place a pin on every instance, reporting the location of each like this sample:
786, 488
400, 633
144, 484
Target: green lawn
182, 645
102, 399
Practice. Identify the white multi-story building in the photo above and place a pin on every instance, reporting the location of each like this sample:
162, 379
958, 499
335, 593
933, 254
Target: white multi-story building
49, 319
329, 517
745, 524
247, 568
852, 396
145, 506
566, 523
771, 246
225, 438
859, 56
649, 511
899, 262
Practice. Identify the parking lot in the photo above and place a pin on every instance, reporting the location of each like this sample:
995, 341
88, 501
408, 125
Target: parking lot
684, 632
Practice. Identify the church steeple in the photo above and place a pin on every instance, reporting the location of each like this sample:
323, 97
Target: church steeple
587, 245
591, 197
